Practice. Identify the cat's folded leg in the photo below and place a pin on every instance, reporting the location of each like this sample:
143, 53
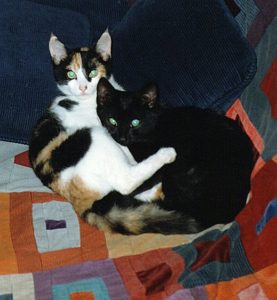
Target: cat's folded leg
77, 192
133, 176
154, 193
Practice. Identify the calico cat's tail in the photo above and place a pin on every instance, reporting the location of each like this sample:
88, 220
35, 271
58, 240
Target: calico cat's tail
126, 215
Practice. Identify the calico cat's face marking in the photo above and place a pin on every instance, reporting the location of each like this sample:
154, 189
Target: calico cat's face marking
77, 71
130, 117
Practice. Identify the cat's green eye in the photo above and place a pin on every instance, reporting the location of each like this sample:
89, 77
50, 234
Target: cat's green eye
135, 123
93, 73
71, 75
113, 121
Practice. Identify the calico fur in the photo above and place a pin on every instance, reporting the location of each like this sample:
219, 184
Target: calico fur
70, 151
206, 185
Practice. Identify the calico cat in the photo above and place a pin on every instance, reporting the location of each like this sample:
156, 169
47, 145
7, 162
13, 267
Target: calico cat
206, 185
70, 151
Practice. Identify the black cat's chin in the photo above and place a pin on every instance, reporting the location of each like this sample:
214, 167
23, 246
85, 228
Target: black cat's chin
123, 143
124, 140
130, 141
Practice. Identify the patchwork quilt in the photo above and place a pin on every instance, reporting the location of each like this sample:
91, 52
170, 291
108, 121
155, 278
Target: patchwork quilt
47, 252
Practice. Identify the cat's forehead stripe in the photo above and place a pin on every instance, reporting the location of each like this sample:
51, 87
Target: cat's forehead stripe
76, 62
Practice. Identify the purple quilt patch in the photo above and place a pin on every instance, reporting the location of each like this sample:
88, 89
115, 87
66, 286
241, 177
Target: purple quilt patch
55, 224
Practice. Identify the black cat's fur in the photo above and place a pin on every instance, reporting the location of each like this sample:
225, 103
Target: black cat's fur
208, 182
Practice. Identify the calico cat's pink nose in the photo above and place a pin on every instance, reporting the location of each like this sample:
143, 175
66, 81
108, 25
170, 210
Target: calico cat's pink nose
82, 88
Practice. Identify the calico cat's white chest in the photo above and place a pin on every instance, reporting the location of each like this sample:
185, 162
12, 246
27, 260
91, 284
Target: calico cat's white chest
79, 114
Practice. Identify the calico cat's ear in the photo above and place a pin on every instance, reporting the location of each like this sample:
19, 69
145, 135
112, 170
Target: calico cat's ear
149, 95
57, 49
104, 46
104, 92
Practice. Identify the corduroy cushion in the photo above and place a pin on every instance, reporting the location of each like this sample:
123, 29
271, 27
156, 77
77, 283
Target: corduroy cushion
194, 50
27, 85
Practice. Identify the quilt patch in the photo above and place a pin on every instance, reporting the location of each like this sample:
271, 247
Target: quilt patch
47, 252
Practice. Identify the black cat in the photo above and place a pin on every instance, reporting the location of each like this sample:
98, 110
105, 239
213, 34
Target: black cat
206, 185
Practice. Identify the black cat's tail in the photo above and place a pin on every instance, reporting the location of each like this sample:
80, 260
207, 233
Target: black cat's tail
126, 215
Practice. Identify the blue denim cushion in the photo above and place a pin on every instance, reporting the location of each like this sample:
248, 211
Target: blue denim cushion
194, 50
27, 84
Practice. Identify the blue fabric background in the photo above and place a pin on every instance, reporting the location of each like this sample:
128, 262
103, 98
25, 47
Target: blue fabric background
26, 79
192, 49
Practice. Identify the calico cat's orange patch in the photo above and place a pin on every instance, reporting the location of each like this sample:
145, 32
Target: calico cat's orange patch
46, 152
101, 71
100, 68
132, 220
77, 193
76, 62
159, 195
98, 221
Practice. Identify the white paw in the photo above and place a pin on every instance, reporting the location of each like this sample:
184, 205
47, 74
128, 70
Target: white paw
168, 155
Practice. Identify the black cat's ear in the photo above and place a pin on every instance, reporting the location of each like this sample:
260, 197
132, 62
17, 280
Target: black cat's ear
57, 49
104, 92
150, 94
104, 46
